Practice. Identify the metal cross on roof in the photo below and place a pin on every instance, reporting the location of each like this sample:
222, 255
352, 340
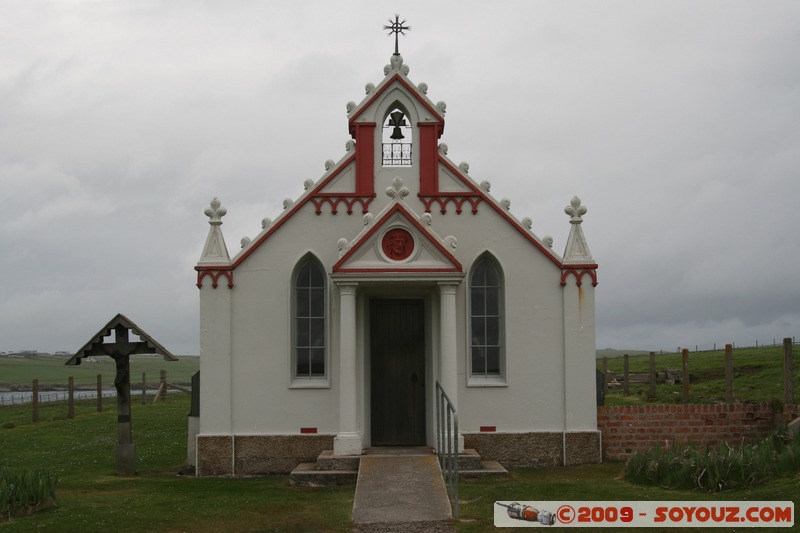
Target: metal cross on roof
397, 27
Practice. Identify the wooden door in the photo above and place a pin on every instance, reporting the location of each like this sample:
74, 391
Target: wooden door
397, 362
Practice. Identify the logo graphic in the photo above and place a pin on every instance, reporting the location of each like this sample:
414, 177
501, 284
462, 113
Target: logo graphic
529, 514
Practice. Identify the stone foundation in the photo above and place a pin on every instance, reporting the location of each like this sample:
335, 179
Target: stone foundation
214, 455
250, 455
535, 449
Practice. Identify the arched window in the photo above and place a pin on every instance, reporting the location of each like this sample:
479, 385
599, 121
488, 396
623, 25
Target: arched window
486, 319
396, 138
309, 320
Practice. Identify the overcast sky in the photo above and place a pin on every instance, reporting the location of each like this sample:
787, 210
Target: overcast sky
677, 123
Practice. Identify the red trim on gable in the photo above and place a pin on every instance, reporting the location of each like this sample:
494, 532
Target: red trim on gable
398, 208
334, 199
215, 272
445, 198
579, 271
383, 88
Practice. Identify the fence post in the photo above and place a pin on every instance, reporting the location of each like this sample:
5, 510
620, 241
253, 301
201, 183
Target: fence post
35, 400
144, 388
652, 376
787, 372
99, 393
163, 387
71, 398
729, 373
605, 377
685, 375
625, 387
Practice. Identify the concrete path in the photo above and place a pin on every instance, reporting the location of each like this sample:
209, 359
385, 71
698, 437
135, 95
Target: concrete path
400, 487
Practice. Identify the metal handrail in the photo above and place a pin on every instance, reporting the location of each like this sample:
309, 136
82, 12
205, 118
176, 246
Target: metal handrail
447, 444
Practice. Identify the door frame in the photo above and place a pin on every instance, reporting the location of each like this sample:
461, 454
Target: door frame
430, 307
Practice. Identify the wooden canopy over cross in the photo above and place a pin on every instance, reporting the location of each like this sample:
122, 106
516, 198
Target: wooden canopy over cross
120, 350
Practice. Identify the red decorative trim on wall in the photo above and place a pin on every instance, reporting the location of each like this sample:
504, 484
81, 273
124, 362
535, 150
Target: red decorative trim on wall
488, 429
459, 199
579, 272
334, 200
428, 158
308, 431
215, 275
365, 158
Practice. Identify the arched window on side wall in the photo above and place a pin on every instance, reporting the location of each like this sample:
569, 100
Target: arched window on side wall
309, 309
487, 331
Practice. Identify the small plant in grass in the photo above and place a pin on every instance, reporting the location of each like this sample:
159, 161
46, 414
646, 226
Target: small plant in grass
26, 491
682, 466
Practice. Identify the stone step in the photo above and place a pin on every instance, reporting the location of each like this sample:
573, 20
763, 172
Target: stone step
327, 461
307, 475
487, 468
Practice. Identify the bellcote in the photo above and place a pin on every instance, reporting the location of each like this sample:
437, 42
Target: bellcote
395, 125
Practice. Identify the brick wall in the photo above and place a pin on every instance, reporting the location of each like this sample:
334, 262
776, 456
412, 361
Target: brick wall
630, 428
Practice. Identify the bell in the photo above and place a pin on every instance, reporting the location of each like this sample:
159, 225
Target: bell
397, 120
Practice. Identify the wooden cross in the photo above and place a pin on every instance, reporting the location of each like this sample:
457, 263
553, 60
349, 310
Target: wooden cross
121, 350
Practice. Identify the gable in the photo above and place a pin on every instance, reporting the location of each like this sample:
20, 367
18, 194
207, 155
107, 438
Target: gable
360, 113
398, 242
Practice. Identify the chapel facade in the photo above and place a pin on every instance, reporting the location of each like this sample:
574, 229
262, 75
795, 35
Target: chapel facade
392, 272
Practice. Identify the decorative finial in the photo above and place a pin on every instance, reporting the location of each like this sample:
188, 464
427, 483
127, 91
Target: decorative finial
397, 27
215, 212
575, 210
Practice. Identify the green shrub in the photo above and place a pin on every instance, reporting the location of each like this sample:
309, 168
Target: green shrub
26, 491
682, 466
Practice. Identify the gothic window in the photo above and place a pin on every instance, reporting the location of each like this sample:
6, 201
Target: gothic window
396, 138
486, 319
309, 320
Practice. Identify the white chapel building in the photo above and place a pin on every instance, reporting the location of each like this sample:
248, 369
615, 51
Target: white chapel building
392, 272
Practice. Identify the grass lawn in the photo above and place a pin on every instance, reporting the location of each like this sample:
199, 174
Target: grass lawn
91, 498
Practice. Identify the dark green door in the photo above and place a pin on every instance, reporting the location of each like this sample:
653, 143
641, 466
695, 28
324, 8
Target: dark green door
397, 367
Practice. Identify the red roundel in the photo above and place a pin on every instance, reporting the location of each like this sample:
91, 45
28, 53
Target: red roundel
398, 244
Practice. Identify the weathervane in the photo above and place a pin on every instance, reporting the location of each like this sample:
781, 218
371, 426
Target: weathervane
397, 27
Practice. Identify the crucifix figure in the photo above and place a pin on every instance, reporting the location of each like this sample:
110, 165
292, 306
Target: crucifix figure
398, 28
121, 350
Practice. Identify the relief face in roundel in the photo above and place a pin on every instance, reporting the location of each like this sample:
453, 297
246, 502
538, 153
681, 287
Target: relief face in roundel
398, 244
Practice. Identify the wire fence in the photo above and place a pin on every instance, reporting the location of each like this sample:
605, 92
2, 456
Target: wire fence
721, 346
77, 390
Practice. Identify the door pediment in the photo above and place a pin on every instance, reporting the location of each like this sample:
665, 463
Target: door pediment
398, 241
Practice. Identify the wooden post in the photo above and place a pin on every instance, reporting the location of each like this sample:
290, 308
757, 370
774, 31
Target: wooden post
729, 373
71, 398
126, 452
605, 377
685, 375
652, 376
162, 389
788, 372
99, 393
144, 388
625, 387
35, 400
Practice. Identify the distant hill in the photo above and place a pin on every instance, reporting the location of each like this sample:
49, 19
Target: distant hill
611, 352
